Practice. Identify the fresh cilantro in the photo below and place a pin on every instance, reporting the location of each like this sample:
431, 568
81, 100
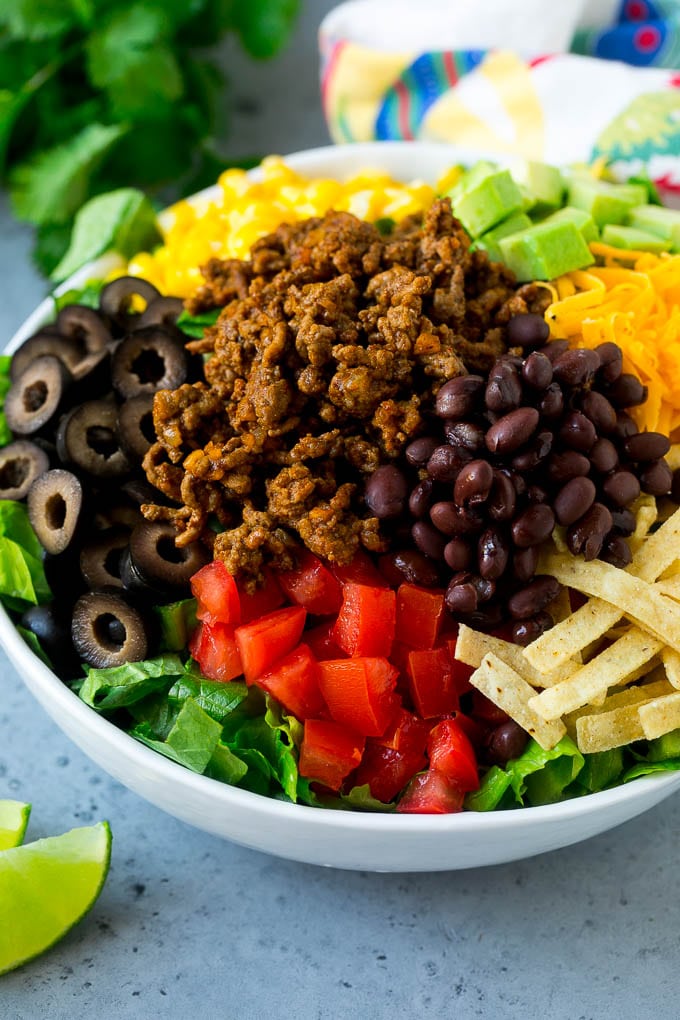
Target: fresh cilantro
195, 325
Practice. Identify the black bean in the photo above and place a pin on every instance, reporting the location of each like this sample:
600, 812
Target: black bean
537, 371
504, 390
452, 519
657, 478
465, 435
488, 617
386, 492
458, 554
554, 349
603, 456
537, 450
502, 499
533, 525
551, 404
517, 480
526, 631
485, 588
524, 563
527, 330
621, 488
534, 598
493, 553
616, 551
461, 594
506, 743
473, 484
627, 391
430, 542
611, 361
577, 432
623, 522
420, 450
458, 397
647, 446
537, 494
421, 497
416, 568
445, 463
586, 536
512, 430
574, 498
625, 426
576, 367
597, 408
568, 464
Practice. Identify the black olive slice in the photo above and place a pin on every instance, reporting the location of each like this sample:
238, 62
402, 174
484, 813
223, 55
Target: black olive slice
52, 628
46, 341
112, 512
148, 360
139, 491
55, 504
62, 572
20, 464
100, 558
107, 631
37, 395
84, 326
88, 438
158, 561
135, 425
116, 298
162, 311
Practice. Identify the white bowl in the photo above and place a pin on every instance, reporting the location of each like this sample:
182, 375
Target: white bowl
341, 839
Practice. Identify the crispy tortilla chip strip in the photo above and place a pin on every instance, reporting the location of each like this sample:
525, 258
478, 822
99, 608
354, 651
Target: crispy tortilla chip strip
507, 689
612, 666
608, 729
634, 695
671, 663
669, 586
472, 646
673, 457
660, 715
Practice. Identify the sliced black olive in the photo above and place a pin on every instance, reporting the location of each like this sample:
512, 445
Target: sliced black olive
116, 297
139, 491
84, 326
112, 511
45, 341
52, 628
107, 631
37, 395
162, 311
100, 558
55, 506
135, 425
158, 561
62, 572
147, 360
20, 464
88, 438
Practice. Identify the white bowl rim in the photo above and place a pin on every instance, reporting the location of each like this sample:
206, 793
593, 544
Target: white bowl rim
62, 699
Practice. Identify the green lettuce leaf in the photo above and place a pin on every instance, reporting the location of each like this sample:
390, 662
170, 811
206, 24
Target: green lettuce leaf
34, 644
195, 325
120, 686
87, 295
225, 766
219, 700
176, 622
648, 768
191, 741
536, 777
664, 748
600, 770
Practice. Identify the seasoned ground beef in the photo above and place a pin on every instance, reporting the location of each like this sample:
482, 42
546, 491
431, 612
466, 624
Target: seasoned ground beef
331, 343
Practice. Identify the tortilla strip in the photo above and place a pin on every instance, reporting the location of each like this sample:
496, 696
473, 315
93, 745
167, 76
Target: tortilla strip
609, 729
507, 689
472, 646
660, 715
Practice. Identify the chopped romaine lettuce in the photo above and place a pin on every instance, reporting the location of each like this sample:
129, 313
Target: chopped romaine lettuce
191, 741
120, 686
536, 777
195, 325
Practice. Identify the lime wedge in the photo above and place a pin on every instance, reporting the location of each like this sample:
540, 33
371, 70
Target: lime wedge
46, 887
13, 821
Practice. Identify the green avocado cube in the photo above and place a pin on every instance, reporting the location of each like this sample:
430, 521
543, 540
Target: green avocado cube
471, 177
632, 239
488, 242
606, 202
545, 250
545, 185
655, 219
582, 219
483, 205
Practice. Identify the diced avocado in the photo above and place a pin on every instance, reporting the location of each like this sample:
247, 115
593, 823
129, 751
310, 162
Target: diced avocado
488, 242
545, 185
545, 250
631, 238
582, 219
664, 223
606, 202
485, 204
471, 177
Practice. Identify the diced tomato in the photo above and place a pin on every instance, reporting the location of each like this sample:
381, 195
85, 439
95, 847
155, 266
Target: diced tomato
386, 770
474, 730
485, 710
329, 752
294, 681
461, 671
320, 640
312, 585
431, 793
450, 752
366, 621
406, 732
262, 642
214, 648
419, 615
215, 591
360, 693
263, 600
361, 570
432, 683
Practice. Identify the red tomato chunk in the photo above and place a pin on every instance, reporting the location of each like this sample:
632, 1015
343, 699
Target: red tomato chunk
360, 571
215, 591
419, 615
294, 681
360, 693
431, 793
329, 752
366, 621
312, 585
432, 682
263, 600
262, 642
386, 770
215, 650
451, 753
320, 640
406, 732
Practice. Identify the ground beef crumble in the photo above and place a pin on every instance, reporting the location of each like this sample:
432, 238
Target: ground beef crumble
331, 343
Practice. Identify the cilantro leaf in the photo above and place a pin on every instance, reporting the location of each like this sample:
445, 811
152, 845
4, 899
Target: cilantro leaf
195, 325
41, 19
263, 25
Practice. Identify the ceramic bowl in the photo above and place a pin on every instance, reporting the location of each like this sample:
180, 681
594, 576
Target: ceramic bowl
340, 839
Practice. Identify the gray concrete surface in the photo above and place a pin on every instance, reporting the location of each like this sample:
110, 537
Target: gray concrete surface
188, 925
